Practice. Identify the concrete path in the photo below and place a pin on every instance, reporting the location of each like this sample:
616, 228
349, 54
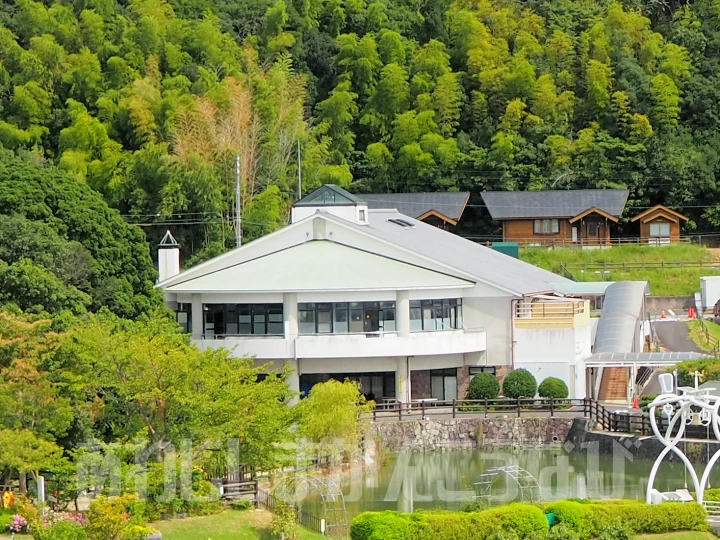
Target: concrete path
674, 336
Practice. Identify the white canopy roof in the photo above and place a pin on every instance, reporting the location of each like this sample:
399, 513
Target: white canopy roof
318, 266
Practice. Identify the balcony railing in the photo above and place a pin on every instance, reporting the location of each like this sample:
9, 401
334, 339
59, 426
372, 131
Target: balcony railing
565, 313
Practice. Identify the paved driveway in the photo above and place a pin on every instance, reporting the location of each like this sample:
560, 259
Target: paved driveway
674, 336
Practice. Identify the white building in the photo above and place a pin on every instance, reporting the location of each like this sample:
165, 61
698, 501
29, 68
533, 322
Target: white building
409, 310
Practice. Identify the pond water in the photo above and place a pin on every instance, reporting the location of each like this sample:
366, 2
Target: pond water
444, 479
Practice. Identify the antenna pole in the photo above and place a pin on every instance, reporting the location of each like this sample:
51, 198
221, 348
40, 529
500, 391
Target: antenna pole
238, 215
299, 171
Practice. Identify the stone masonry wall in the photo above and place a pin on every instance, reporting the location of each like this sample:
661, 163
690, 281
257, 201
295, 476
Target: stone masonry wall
468, 433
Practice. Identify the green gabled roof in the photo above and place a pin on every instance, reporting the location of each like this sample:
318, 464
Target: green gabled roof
329, 195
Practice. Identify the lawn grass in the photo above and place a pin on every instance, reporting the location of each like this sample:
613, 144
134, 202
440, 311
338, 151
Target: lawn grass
697, 334
229, 525
669, 281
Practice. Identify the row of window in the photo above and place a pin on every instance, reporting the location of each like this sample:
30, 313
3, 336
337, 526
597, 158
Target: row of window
346, 317
322, 318
546, 226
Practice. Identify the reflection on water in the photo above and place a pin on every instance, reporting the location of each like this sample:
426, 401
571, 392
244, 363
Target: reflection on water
411, 481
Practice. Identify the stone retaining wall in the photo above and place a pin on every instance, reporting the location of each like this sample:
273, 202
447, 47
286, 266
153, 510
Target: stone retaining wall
469, 433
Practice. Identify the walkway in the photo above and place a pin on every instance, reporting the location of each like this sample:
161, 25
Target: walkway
674, 336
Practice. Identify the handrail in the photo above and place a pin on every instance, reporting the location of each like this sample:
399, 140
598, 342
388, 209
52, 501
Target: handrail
634, 423
712, 340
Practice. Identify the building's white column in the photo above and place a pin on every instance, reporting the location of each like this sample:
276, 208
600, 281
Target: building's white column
293, 379
290, 318
198, 325
290, 315
402, 313
402, 379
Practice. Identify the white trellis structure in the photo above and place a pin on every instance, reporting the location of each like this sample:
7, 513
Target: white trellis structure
528, 487
294, 488
691, 407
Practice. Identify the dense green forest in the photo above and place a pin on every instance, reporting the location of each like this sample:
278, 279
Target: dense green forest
149, 101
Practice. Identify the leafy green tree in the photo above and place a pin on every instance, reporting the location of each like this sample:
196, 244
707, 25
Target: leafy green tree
331, 413
519, 383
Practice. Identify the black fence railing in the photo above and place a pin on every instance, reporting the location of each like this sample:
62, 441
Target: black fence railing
474, 407
630, 421
305, 519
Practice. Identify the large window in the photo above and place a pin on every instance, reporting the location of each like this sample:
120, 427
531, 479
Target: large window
183, 316
346, 317
445, 314
443, 383
374, 386
660, 230
546, 226
243, 319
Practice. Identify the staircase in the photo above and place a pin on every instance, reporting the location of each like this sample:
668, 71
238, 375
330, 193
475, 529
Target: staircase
613, 386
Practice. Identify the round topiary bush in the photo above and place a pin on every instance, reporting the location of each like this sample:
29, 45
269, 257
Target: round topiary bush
483, 386
519, 383
552, 387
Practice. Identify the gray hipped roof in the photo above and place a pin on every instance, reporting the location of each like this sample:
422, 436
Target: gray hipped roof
449, 204
329, 195
553, 203
484, 263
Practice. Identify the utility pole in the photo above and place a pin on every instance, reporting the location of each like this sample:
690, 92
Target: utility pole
238, 216
299, 172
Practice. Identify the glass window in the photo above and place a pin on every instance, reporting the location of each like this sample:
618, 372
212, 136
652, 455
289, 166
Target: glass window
387, 316
340, 320
306, 318
482, 369
276, 325
660, 229
443, 383
183, 316
362, 215
259, 319
415, 316
324, 318
372, 317
244, 319
427, 315
546, 226
555, 226
231, 323
357, 324
537, 226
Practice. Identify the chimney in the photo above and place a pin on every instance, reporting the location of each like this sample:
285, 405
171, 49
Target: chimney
168, 257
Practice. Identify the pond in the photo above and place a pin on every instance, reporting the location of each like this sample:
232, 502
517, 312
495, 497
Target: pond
444, 479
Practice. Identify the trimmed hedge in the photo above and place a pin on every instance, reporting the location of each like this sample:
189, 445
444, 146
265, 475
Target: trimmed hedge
483, 386
552, 387
519, 383
576, 518
524, 520
588, 519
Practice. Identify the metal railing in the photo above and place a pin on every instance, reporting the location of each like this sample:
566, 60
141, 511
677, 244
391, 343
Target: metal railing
712, 341
643, 265
305, 519
634, 421
546, 310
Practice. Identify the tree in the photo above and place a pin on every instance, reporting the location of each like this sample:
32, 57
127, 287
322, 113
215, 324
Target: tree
483, 386
552, 387
86, 241
148, 381
330, 414
519, 383
22, 452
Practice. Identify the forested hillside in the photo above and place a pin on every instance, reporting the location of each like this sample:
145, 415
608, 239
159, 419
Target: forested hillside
149, 102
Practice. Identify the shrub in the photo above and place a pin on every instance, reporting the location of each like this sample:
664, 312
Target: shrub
615, 532
241, 504
575, 516
552, 387
522, 519
483, 386
380, 525
561, 532
519, 383
62, 530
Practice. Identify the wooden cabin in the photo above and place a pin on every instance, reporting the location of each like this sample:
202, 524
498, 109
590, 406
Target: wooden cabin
659, 225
